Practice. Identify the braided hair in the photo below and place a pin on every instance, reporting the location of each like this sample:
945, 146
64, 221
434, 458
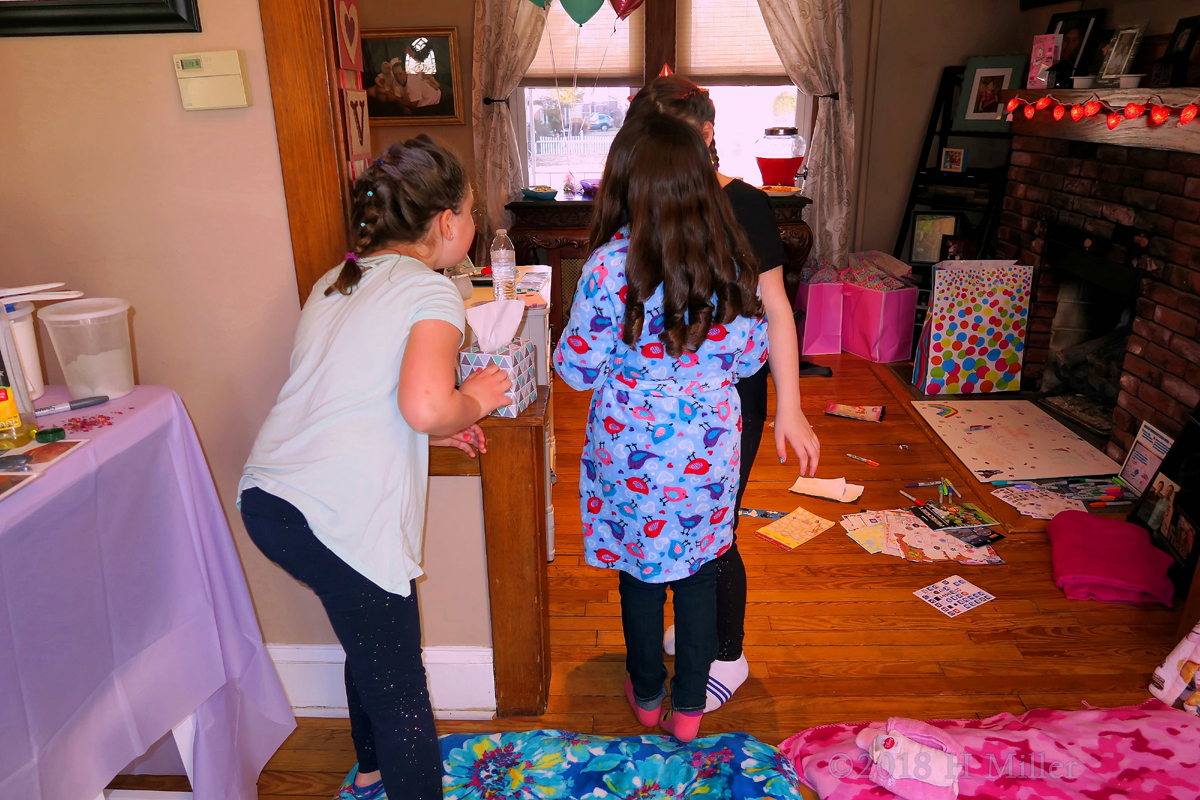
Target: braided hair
397, 198
677, 97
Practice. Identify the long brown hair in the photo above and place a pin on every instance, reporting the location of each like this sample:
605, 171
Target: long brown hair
396, 199
678, 97
683, 233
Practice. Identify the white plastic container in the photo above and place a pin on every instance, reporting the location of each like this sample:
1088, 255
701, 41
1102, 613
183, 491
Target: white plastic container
20, 316
91, 339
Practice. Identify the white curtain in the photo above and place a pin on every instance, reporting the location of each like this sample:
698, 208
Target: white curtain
812, 38
507, 33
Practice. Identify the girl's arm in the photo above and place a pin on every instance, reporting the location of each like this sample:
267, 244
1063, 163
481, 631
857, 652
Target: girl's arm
791, 426
583, 357
427, 397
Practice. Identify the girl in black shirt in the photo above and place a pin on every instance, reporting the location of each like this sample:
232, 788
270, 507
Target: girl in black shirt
681, 98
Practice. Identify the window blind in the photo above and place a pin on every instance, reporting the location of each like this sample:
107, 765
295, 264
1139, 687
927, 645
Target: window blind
608, 47
724, 38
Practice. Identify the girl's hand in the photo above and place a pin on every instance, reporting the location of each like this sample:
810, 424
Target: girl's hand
468, 440
488, 388
791, 427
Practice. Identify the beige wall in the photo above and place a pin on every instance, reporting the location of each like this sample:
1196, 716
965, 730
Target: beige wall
434, 13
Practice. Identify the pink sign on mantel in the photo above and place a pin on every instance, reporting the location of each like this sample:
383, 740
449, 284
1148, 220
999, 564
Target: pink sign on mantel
350, 55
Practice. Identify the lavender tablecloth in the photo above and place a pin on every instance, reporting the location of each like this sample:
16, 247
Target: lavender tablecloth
123, 609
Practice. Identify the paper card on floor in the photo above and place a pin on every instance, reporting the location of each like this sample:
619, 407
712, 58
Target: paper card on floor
795, 529
760, 513
852, 522
829, 489
954, 595
872, 538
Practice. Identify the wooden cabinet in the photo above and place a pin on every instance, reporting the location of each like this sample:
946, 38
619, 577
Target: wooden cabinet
555, 232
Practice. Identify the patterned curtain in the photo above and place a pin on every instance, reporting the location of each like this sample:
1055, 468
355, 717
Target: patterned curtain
507, 33
812, 38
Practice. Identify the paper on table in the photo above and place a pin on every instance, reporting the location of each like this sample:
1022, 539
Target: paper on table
836, 489
496, 323
872, 538
795, 529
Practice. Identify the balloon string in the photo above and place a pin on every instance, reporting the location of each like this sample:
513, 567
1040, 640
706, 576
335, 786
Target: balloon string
557, 90
603, 56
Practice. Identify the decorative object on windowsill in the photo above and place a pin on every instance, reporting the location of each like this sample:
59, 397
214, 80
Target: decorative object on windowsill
1172, 68
1119, 54
1159, 111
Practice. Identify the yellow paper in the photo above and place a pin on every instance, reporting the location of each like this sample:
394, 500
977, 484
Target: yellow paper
795, 529
873, 538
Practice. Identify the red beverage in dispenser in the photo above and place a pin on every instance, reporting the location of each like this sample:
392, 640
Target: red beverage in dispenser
780, 154
779, 171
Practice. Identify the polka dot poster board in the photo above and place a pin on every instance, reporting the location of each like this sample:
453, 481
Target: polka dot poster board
975, 337
1004, 440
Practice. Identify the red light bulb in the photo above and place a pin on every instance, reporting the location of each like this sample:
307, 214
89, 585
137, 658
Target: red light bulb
1091, 108
1044, 102
1060, 111
1076, 113
1012, 104
1134, 110
1114, 120
1159, 114
1029, 111
1188, 114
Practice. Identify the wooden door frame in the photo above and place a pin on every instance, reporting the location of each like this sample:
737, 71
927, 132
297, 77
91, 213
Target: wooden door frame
304, 78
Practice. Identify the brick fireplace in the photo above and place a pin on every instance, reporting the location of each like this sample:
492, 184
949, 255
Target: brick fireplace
1136, 211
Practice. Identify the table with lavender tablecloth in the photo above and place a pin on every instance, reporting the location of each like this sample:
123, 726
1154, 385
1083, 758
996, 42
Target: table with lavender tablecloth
124, 610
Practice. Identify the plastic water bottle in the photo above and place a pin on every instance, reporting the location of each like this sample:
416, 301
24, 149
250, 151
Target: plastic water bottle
504, 266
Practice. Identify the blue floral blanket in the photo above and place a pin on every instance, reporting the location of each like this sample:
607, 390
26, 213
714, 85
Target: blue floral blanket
557, 765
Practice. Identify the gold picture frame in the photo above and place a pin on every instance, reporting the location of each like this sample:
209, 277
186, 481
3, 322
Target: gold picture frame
411, 76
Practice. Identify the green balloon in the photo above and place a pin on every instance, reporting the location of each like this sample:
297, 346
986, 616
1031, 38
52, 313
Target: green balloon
539, 3
582, 10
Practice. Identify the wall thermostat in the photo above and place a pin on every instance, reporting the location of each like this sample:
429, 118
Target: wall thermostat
212, 80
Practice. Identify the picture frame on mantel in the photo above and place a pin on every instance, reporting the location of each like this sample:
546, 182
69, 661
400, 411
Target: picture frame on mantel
411, 76
87, 17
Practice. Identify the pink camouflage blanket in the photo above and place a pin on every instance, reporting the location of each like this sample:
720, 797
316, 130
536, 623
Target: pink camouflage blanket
1146, 752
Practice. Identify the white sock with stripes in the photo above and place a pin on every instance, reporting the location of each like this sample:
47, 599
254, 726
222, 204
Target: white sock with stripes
724, 678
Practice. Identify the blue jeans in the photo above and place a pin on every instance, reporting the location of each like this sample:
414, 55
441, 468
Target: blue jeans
695, 602
391, 720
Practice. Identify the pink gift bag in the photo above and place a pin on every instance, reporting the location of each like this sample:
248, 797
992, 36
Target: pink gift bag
876, 325
820, 329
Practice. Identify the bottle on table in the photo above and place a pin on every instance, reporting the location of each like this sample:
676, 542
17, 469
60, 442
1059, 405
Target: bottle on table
504, 266
17, 421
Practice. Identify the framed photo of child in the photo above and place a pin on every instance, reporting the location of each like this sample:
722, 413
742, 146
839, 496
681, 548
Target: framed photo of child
411, 76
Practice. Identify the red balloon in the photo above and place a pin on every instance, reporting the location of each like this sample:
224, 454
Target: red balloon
625, 7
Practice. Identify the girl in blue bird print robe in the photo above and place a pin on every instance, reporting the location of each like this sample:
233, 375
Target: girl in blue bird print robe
659, 470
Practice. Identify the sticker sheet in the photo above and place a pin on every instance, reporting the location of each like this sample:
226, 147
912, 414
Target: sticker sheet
872, 538
1012, 440
795, 529
1038, 503
954, 595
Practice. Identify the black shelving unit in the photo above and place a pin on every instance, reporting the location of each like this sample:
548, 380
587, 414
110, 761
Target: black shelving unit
976, 195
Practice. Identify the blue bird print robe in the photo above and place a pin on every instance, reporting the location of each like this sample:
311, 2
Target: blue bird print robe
659, 471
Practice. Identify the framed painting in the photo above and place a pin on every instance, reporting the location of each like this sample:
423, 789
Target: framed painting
411, 76
979, 107
1122, 50
76, 17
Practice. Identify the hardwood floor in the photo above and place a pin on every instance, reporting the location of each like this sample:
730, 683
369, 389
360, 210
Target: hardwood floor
833, 633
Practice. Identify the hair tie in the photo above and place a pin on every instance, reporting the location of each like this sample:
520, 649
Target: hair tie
351, 257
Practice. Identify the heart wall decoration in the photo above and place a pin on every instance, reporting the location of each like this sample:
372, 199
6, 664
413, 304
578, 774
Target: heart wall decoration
349, 31
358, 125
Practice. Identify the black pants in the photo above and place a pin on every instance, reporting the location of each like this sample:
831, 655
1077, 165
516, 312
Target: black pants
391, 720
731, 572
695, 602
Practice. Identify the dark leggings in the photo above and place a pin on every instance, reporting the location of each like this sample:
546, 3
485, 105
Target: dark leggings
695, 601
731, 572
391, 720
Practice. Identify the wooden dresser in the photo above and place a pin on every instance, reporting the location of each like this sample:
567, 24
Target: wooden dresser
555, 232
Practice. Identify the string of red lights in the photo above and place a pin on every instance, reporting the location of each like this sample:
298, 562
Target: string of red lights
1160, 112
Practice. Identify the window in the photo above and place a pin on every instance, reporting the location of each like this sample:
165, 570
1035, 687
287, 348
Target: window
569, 122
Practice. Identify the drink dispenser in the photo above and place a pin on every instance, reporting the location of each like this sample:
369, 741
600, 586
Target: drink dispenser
780, 154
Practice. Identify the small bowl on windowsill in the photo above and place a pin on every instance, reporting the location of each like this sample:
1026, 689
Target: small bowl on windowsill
1083, 81
1131, 81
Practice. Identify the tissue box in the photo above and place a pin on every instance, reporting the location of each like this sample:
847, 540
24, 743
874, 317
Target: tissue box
519, 359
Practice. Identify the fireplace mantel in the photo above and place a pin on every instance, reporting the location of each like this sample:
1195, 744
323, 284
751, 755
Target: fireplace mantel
1140, 132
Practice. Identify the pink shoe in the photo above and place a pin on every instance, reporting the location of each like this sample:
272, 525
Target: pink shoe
683, 725
648, 718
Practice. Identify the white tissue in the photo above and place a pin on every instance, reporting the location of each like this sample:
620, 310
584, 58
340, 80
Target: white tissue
829, 489
496, 323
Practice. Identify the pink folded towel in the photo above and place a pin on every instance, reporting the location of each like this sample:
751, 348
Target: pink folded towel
913, 759
1109, 560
